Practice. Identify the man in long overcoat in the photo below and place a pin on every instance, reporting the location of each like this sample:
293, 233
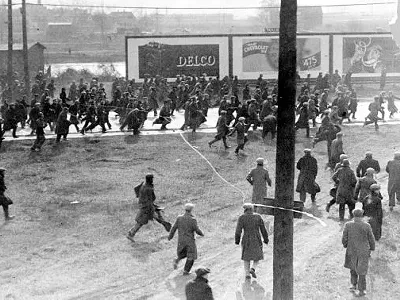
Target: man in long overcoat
358, 240
186, 225
346, 181
148, 210
308, 167
252, 250
259, 178
336, 150
222, 130
393, 168
62, 125
198, 288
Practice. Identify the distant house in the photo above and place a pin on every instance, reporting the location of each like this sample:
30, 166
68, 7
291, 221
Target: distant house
35, 58
59, 31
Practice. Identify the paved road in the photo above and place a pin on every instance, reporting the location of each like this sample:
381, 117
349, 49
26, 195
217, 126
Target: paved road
176, 123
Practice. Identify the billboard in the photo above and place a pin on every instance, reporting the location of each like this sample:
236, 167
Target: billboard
260, 55
169, 60
169, 56
369, 54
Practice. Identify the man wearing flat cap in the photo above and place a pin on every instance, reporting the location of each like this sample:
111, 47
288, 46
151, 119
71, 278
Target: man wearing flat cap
148, 210
346, 181
252, 249
259, 178
367, 162
165, 117
186, 225
240, 128
393, 169
372, 206
358, 240
308, 167
198, 288
4, 201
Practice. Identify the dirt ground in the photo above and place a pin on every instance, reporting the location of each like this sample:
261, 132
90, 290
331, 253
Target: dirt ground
74, 203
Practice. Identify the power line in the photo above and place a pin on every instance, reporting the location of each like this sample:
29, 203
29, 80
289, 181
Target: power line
202, 8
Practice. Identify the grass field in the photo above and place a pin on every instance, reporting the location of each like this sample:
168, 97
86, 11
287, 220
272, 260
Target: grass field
55, 249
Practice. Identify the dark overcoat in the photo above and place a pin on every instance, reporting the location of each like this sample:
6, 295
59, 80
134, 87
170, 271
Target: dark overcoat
186, 225
358, 240
146, 203
308, 172
63, 123
346, 181
251, 224
393, 168
372, 206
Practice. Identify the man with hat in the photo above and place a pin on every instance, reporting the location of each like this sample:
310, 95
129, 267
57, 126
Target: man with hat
198, 288
334, 189
10, 120
358, 240
336, 150
308, 167
40, 138
4, 201
252, 249
393, 169
241, 135
367, 162
258, 178
302, 121
148, 210
364, 184
222, 130
186, 225
165, 117
346, 181
372, 205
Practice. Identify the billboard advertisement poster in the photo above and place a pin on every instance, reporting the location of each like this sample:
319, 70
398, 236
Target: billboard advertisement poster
370, 54
156, 58
262, 54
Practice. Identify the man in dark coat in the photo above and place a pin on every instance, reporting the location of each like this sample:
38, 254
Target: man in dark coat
302, 121
241, 135
336, 150
4, 201
222, 130
11, 120
346, 180
187, 226
165, 115
252, 250
358, 240
308, 167
393, 169
372, 206
40, 139
367, 162
33, 116
148, 210
269, 125
198, 288
62, 125
134, 120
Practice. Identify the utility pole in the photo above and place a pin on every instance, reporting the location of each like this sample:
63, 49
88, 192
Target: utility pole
25, 51
10, 51
285, 154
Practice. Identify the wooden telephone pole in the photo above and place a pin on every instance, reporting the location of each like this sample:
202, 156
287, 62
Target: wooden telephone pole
10, 72
285, 153
25, 51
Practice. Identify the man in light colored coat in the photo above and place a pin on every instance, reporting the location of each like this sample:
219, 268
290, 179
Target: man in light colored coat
359, 241
186, 225
252, 250
258, 178
393, 168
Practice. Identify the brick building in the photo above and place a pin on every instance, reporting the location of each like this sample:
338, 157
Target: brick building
35, 57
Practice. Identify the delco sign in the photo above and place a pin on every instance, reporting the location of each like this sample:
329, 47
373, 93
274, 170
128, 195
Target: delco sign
196, 61
170, 60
